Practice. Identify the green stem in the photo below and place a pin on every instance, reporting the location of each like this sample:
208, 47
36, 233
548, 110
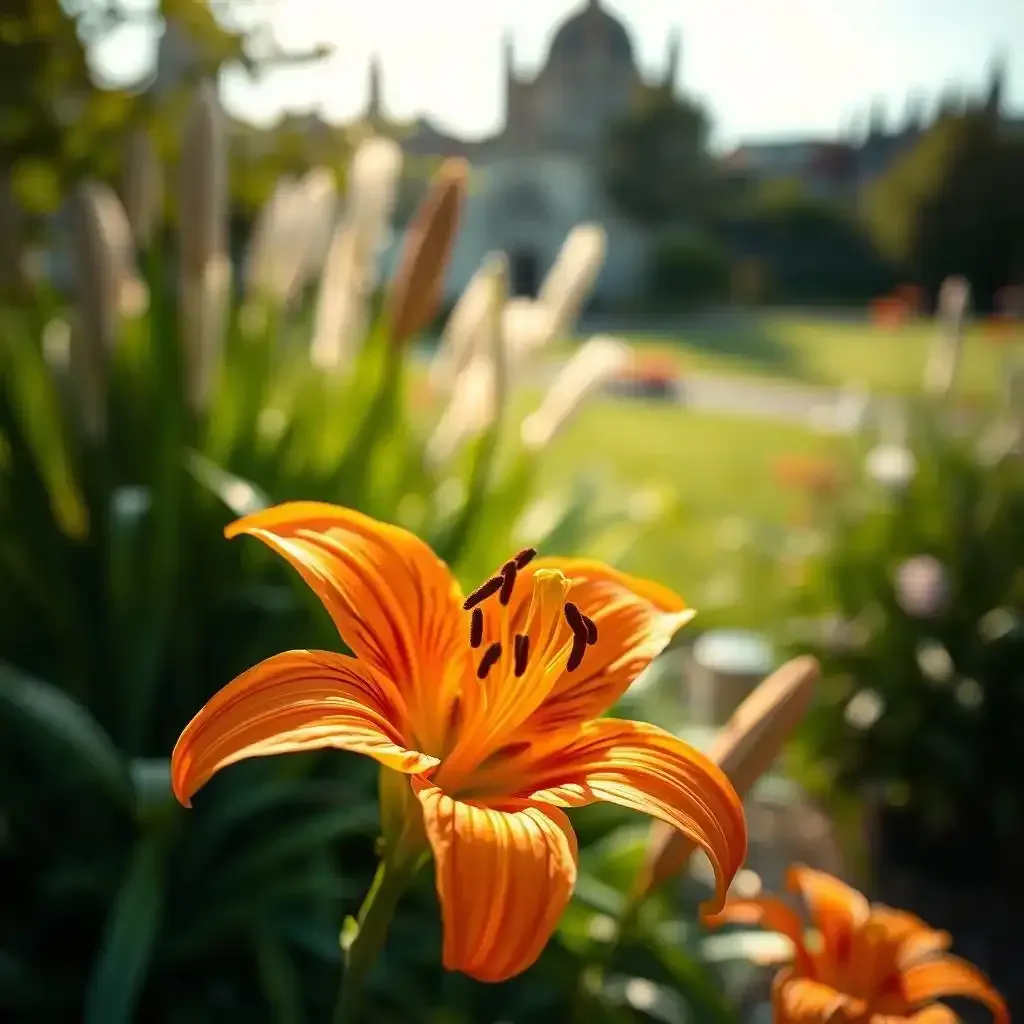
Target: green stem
370, 930
581, 1012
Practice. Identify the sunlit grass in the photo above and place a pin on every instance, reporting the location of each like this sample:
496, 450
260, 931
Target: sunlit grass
818, 350
710, 468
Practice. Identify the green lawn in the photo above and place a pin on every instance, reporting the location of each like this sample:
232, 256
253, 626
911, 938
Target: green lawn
820, 350
712, 470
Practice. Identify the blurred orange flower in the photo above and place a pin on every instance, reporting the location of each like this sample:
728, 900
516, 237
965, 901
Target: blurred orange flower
869, 965
811, 474
889, 311
1000, 328
651, 369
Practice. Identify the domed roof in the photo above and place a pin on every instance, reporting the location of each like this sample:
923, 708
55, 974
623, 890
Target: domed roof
592, 30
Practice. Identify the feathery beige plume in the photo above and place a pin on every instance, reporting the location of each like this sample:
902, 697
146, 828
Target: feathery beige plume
480, 389
350, 270
107, 289
142, 185
205, 268
291, 236
596, 361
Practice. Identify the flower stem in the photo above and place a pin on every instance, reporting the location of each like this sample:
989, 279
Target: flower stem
363, 939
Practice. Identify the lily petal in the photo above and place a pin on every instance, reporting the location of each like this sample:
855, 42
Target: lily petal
836, 910
294, 702
937, 1014
644, 768
945, 976
798, 1000
394, 602
635, 621
505, 873
770, 913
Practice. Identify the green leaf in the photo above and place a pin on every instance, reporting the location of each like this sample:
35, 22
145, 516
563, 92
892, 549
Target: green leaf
63, 732
240, 496
119, 973
278, 978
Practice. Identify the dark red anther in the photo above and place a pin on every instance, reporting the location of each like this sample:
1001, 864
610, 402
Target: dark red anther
579, 645
525, 557
484, 591
591, 630
508, 582
575, 619
487, 662
476, 628
522, 653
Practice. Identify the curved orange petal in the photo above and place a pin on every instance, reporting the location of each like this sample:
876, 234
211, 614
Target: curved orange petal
937, 1014
771, 914
945, 976
646, 769
393, 600
293, 702
635, 618
909, 936
505, 873
798, 1000
836, 910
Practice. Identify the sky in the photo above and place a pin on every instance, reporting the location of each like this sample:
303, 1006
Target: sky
779, 68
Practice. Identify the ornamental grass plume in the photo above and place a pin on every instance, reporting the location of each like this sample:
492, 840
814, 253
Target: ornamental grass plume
204, 269
947, 345
572, 278
291, 237
745, 748
481, 388
350, 269
416, 289
106, 288
483, 711
142, 186
597, 361
869, 965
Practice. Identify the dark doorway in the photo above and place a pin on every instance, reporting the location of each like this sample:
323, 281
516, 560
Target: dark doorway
525, 273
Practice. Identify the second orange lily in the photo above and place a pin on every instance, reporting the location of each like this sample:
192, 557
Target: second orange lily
486, 704
870, 965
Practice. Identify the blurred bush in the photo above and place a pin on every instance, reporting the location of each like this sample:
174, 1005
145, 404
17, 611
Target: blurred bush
134, 424
688, 269
909, 587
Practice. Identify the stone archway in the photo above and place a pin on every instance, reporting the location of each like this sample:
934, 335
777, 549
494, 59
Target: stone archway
524, 272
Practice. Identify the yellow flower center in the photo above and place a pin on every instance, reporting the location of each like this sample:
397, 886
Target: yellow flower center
517, 666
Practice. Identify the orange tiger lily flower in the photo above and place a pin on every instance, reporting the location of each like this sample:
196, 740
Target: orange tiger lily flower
488, 705
871, 965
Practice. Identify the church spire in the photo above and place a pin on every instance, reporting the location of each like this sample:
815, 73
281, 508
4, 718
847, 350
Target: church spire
374, 105
996, 84
672, 60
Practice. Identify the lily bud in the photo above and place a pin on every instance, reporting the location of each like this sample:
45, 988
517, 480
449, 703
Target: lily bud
429, 240
745, 749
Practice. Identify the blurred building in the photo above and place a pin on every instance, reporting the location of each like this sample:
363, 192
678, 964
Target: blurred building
837, 168
539, 175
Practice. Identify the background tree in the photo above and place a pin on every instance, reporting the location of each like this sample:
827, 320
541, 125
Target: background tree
58, 123
657, 167
954, 205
